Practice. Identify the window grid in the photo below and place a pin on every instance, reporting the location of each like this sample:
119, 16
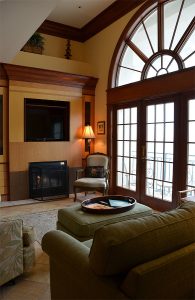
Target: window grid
159, 162
127, 148
191, 146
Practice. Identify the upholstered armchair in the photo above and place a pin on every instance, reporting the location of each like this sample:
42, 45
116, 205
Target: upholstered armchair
95, 176
17, 251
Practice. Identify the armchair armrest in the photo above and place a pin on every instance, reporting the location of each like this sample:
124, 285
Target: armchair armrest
71, 276
80, 173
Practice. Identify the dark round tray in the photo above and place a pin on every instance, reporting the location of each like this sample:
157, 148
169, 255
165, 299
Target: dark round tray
111, 204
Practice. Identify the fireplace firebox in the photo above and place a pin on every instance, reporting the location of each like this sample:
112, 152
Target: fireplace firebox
48, 179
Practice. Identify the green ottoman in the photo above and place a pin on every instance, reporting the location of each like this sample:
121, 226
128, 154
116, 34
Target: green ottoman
82, 225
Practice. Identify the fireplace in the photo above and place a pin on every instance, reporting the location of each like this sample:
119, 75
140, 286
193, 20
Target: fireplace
48, 179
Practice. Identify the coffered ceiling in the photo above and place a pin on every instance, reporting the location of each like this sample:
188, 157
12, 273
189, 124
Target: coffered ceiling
81, 19
77, 13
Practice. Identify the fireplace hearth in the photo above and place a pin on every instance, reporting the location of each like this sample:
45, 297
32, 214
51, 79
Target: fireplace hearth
48, 179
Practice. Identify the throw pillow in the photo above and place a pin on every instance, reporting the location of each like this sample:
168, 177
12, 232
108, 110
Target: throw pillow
95, 171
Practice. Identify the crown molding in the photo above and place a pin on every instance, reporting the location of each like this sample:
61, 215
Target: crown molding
29, 74
112, 13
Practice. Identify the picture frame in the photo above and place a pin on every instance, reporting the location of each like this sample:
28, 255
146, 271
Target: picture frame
101, 127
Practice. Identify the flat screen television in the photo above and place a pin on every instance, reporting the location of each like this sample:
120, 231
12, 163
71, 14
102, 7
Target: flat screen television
46, 120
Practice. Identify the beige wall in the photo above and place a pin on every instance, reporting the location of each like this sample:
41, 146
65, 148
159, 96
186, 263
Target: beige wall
55, 46
98, 52
96, 55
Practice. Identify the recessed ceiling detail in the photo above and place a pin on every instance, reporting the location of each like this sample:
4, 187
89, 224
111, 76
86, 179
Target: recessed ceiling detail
78, 13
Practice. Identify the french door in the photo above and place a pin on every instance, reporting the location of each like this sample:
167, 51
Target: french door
155, 149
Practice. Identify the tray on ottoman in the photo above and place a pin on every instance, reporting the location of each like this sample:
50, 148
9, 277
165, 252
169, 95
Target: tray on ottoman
108, 204
82, 225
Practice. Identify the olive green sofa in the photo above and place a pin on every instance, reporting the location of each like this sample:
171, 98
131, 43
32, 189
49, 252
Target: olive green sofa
151, 257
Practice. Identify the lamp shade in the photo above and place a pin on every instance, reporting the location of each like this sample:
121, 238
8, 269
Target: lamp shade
88, 133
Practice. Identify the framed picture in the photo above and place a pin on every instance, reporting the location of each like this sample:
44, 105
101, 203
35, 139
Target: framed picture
101, 127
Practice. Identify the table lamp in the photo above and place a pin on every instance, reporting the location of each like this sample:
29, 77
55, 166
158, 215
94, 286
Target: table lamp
88, 135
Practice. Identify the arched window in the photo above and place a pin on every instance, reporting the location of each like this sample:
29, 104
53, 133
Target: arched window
151, 98
160, 43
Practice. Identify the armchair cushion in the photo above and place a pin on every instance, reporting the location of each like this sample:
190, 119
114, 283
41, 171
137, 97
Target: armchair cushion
11, 250
118, 247
95, 172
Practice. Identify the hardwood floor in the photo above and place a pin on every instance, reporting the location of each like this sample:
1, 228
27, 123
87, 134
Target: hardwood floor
33, 285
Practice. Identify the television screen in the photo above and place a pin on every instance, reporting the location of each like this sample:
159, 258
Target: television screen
46, 120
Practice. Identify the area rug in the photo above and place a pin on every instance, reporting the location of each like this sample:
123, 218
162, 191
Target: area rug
41, 221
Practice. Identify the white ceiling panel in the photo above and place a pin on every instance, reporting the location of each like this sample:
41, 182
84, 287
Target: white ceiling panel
78, 13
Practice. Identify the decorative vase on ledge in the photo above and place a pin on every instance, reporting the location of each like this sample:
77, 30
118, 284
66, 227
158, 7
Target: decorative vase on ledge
35, 44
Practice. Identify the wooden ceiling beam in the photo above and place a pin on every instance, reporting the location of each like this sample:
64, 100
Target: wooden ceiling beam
112, 13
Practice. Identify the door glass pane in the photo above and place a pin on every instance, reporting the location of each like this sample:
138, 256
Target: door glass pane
150, 132
120, 116
133, 115
127, 148
120, 132
127, 116
169, 112
150, 114
120, 148
160, 113
126, 132
150, 150
191, 133
159, 154
150, 169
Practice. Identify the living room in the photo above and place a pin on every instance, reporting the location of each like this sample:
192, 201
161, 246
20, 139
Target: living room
87, 68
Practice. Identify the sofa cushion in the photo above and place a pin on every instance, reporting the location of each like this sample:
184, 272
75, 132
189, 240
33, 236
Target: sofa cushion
118, 247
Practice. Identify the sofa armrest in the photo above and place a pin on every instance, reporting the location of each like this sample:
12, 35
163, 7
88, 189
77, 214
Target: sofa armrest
171, 276
11, 250
70, 274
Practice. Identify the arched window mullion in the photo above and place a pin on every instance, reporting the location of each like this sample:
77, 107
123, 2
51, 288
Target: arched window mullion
189, 55
137, 51
185, 36
148, 37
160, 27
177, 22
155, 51
130, 69
170, 63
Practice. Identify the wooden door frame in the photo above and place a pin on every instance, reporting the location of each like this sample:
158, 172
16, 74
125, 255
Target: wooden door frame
176, 83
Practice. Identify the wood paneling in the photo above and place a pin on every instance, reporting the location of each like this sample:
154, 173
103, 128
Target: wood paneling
28, 74
115, 11
61, 30
3, 178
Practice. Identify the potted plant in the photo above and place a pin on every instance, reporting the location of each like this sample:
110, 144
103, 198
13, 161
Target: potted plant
35, 44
